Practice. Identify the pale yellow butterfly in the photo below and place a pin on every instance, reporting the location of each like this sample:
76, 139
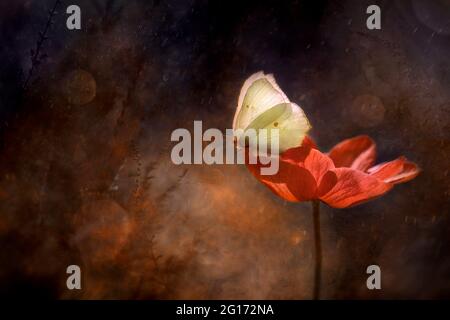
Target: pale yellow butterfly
263, 105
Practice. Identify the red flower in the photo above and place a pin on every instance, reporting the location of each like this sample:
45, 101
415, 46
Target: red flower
344, 177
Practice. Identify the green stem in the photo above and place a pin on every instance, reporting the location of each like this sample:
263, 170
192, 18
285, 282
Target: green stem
318, 249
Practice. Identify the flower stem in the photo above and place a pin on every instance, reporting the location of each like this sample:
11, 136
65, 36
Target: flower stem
318, 249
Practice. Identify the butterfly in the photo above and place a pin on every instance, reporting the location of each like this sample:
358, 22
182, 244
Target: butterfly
263, 105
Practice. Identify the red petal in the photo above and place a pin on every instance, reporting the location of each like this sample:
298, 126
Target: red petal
352, 187
409, 172
297, 180
300, 172
396, 171
292, 182
357, 153
329, 180
309, 142
281, 190
386, 170
313, 160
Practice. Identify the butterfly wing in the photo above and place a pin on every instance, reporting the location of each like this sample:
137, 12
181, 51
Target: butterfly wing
288, 122
259, 93
263, 105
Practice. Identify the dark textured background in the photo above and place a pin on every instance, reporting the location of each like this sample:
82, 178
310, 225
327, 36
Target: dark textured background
85, 170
